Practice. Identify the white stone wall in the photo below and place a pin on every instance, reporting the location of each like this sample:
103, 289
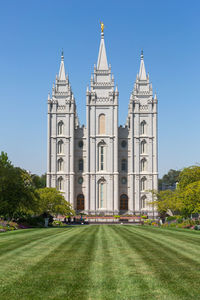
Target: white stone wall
120, 143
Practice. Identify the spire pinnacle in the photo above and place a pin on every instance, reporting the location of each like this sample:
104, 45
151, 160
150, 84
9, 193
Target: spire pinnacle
102, 63
142, 72
62, 68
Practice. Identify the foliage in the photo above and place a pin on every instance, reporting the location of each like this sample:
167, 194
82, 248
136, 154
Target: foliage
38, 181
166, 201
32, 221
190, 198
7, 226
169, 179
16, 191
57, 223
52, 201
188, 176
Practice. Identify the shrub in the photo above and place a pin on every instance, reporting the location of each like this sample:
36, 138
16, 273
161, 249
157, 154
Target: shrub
57, 223
32, 221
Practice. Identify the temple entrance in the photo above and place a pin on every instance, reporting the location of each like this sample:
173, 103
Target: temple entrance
123, 202
80, 202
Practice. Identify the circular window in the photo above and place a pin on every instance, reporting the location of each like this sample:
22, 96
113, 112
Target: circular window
124, 180
80, 144
80, 180
123, 144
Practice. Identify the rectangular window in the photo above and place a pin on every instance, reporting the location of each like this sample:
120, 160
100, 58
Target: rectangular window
101, 195
102, 158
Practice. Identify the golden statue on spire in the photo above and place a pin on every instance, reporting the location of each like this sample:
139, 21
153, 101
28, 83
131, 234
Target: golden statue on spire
102, 26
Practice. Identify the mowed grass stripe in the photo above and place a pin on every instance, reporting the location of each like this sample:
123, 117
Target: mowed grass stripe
135, 279
14, 243
101, 262
184, 247
24, 256
116, 272
102, 271
62, 274
186, 235
177, 273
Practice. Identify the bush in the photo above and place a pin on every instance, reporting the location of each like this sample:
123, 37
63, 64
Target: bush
32, 221
57, 223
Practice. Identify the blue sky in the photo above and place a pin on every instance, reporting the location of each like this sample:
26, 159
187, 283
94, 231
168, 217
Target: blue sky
33, 34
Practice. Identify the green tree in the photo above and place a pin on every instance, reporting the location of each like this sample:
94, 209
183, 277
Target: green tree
188, 176
166, 202
16, 191
169, 179
51, 201
39, 181
190, 198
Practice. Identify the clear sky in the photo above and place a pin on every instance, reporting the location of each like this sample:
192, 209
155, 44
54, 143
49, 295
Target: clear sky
32, 35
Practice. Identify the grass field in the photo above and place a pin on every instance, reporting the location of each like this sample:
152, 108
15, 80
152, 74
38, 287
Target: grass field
100, 262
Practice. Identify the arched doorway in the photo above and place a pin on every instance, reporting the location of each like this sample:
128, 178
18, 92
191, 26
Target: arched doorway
80, 202
123, 202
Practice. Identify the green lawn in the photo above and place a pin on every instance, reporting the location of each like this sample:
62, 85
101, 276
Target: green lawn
100, 262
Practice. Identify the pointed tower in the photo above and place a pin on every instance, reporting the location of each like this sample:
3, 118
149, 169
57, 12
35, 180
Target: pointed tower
142, 124
62, 121
102, 138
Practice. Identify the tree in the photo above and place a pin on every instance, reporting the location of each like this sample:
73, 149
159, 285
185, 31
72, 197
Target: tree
169, 179
16, 191
38, 181
51, 201
190, 198
166, 202
188, 176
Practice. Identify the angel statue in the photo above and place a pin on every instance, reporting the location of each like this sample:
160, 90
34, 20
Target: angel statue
102, 26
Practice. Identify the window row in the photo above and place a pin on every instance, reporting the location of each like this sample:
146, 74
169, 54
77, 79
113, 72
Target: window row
102, 196
124, 166
102, 126
60, 149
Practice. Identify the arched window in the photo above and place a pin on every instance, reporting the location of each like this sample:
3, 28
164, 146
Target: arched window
102, 194
124, 165
143, 184
80, 202
60, 183
143, 127
80, 164
102, 124
143, 165
143, 147
60, 127
143, 202
123, 202
60, 147
60, 165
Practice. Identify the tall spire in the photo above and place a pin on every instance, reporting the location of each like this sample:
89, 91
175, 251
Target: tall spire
142, 72
102, 63
62, 68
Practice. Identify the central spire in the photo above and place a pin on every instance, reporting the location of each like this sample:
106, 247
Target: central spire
102, 63
142, 72
62, 68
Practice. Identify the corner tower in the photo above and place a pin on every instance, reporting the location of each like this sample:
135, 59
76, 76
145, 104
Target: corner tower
62, 121
142, 124
102, 138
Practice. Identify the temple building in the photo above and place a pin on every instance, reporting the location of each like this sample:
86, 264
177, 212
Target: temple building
103, 168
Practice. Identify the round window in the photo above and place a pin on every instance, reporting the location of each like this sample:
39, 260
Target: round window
80, 180
124, 180
123, 144
80, 144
